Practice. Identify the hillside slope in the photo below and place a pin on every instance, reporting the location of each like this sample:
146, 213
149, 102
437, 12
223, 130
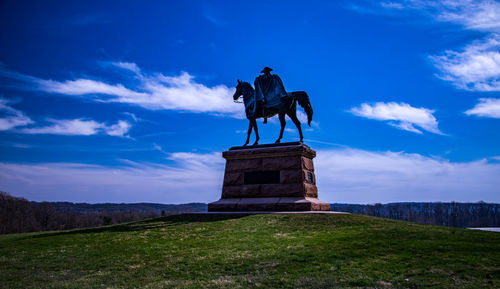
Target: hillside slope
281, 251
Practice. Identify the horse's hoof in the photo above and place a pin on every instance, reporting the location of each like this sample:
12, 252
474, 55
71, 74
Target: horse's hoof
245, 144
278, 141
255, 143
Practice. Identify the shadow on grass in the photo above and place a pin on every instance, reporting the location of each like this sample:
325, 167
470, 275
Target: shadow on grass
144, 224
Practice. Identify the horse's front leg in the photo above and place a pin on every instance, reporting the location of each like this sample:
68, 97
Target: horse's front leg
249, 132
283, 123
254, 123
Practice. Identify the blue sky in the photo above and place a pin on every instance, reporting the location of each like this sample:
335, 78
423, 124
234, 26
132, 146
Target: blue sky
122, 101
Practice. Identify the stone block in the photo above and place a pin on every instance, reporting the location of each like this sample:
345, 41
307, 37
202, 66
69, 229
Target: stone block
317, 205
243, 165
291, 176
311, 190
282, 163
293, 204
231, 179
241, 191
302, 204
257, 204
282, 190
307, 164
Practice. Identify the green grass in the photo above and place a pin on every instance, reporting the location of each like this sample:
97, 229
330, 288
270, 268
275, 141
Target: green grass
234, 251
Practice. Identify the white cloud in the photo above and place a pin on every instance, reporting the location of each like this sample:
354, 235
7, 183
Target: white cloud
15, 120
132, 116
66, 127
399, 115
79, 127
343, 175
196, 160
11, 117
183, 93
472, 14
128, 66
476, 67
150, 91
85, 87
187, 179
392, 5
121, 128
487, 107
350, 175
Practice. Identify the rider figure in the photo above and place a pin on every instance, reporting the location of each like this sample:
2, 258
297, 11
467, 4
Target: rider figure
267, 86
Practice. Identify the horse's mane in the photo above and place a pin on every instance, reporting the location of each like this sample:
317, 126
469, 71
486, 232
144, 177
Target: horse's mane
247, 85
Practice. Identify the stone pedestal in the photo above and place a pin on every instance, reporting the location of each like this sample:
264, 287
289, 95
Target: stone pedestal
269, 178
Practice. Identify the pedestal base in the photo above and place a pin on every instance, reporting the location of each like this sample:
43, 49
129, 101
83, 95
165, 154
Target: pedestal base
274, 177
268, 204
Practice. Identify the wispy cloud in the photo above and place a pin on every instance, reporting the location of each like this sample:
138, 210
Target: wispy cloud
121, 128
185, 180
153, 91
66, 127
11, 117
16, 121
399, 115
472, 14
351, 175
212, 15
343, 175
127, 66
476, 67
86, 87
80, 127
487, 107
392, 5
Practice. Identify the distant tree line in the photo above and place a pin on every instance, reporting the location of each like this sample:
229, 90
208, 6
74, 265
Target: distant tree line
18, 215
452, 214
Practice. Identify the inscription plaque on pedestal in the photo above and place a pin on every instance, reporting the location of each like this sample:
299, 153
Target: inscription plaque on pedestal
269, 178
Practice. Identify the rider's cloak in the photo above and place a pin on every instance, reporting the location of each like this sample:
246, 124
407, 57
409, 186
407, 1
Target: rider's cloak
269, 89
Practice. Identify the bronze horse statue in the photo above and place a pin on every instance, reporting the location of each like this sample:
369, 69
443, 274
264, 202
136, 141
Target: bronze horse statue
286, 106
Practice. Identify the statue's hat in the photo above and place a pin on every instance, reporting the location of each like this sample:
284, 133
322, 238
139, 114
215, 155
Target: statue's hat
266, 69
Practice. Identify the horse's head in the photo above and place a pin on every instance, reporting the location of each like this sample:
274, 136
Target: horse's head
239, 90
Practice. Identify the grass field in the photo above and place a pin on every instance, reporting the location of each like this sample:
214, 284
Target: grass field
236, 251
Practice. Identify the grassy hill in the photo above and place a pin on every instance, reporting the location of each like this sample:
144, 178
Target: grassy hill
281, 251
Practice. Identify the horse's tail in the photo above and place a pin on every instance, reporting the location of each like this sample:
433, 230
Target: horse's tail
304, 102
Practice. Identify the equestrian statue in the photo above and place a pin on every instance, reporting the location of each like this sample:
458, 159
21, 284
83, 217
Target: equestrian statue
268, 99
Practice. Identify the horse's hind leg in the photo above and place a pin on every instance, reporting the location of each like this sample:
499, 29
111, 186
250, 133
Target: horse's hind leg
283, 123
254, 124
249, 132
296, 121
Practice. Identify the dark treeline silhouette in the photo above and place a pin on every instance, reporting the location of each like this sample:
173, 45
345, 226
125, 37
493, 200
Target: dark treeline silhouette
18, 215
144, 207
452, 214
